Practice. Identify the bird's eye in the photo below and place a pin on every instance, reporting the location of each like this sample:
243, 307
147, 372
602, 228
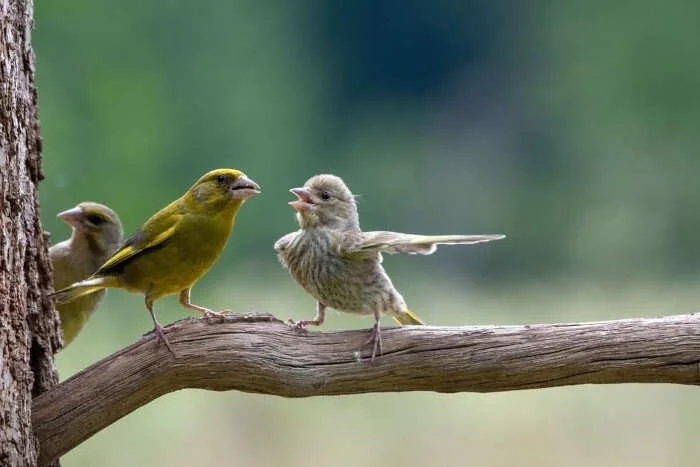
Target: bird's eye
221, 179
325, 195
96, 219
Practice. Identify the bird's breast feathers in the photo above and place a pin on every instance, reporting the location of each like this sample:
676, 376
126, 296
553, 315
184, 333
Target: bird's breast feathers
318, 264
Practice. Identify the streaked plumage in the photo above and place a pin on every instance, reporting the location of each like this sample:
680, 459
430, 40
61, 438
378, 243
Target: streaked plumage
340, 265
176, 246
96, 234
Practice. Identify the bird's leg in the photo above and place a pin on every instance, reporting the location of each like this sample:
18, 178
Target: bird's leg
317, 321
185, 301
376, 337
158, 329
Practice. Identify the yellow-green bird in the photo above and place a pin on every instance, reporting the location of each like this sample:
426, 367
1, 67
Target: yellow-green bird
96, 234
176, 246
340, 265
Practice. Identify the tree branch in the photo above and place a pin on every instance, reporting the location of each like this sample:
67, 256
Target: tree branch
260, 354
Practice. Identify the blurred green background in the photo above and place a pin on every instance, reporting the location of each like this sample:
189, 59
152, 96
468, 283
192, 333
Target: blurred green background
572, 127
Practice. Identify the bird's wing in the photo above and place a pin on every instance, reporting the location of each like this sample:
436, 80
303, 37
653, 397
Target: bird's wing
395, 242
156, 231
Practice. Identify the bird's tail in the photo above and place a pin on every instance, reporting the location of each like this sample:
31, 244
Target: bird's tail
79, 289
407, 317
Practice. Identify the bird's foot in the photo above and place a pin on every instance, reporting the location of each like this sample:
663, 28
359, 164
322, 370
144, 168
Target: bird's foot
211, 314
160, 337
301, 324
375, 339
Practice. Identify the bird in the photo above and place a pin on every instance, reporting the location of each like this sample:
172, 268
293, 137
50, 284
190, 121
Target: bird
340, 265
175, 247
96, 235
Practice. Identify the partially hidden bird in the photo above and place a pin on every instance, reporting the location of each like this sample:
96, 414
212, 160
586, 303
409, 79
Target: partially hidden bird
96, 235
175, 247
340, 265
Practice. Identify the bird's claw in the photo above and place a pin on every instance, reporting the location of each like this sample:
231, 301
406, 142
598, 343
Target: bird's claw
160, 337
301, 324
294, 324
218, 315
375, 339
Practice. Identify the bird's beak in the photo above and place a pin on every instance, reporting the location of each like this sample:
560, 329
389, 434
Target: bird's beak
303, 201
244, 188
72, 217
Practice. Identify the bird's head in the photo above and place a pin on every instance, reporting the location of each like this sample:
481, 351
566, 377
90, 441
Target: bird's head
97, 222
220, 189
325, 201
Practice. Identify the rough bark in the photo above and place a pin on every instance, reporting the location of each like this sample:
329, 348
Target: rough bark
248, 355
28, 323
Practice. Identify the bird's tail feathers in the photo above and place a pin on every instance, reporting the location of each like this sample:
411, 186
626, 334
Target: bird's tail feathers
407, 317
79, 289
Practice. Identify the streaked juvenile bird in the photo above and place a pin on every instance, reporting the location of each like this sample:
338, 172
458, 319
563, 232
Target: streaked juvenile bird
96, 234
175, 247
340, 265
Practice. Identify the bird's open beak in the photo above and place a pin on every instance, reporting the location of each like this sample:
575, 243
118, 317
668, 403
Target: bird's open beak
72, 217
244, 188
303, 201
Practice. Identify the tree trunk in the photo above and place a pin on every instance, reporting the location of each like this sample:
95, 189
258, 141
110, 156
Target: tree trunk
28, 323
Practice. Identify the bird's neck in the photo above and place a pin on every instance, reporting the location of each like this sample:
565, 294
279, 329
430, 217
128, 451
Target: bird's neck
95, 246
225, 208
307, 222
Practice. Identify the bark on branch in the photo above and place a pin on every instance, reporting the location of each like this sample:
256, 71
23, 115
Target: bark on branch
260, 354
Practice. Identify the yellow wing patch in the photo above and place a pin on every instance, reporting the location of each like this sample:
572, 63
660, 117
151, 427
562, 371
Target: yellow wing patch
135, 245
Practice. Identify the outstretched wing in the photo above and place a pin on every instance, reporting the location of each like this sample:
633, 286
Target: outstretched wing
396, 242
